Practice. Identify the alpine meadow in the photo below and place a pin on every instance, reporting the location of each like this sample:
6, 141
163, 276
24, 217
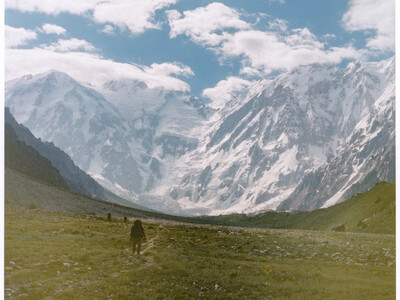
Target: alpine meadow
174, 149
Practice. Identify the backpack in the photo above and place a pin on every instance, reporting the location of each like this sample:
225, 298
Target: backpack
137, 230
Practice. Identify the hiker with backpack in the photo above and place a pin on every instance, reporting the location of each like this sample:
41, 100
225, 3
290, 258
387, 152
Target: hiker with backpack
137, 236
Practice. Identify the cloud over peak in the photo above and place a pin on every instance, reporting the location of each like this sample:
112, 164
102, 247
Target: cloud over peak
90, 68
225, 90
175, 68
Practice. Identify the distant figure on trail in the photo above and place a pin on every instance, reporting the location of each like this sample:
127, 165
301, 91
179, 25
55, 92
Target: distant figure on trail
137, 236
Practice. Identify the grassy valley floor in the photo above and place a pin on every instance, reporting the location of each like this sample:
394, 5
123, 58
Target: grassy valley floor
70, 256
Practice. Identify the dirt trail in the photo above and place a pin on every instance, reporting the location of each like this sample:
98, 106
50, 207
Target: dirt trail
149, 260
150, 244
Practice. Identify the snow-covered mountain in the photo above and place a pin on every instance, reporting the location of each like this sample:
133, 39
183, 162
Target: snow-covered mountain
304, 140
265, 144
165, 122
367, 156
116, 144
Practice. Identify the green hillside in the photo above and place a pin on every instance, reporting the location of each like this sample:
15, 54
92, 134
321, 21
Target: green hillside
370, 212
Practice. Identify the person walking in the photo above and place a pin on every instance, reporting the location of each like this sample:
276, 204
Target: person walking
137, 236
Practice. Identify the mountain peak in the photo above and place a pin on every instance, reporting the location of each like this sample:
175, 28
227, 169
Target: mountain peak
51, 78
54, 77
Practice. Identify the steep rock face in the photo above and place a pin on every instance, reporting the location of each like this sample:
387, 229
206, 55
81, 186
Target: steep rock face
77, 180
26, 160
265, 144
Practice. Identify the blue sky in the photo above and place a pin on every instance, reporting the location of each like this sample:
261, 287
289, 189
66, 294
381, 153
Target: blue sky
213, 49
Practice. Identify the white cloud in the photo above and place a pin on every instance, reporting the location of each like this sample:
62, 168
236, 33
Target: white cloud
108, 29
175, 68
279, 1
248, 71
134, 15
268, 52
53, 29
86, 67
52, 7
279, 25
15, 37
377, 16
302, 37
225, 90
329, 36
69, 45
203, 25
221, 29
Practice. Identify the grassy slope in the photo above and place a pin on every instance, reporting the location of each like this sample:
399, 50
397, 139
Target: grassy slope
71, 256
370, 212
